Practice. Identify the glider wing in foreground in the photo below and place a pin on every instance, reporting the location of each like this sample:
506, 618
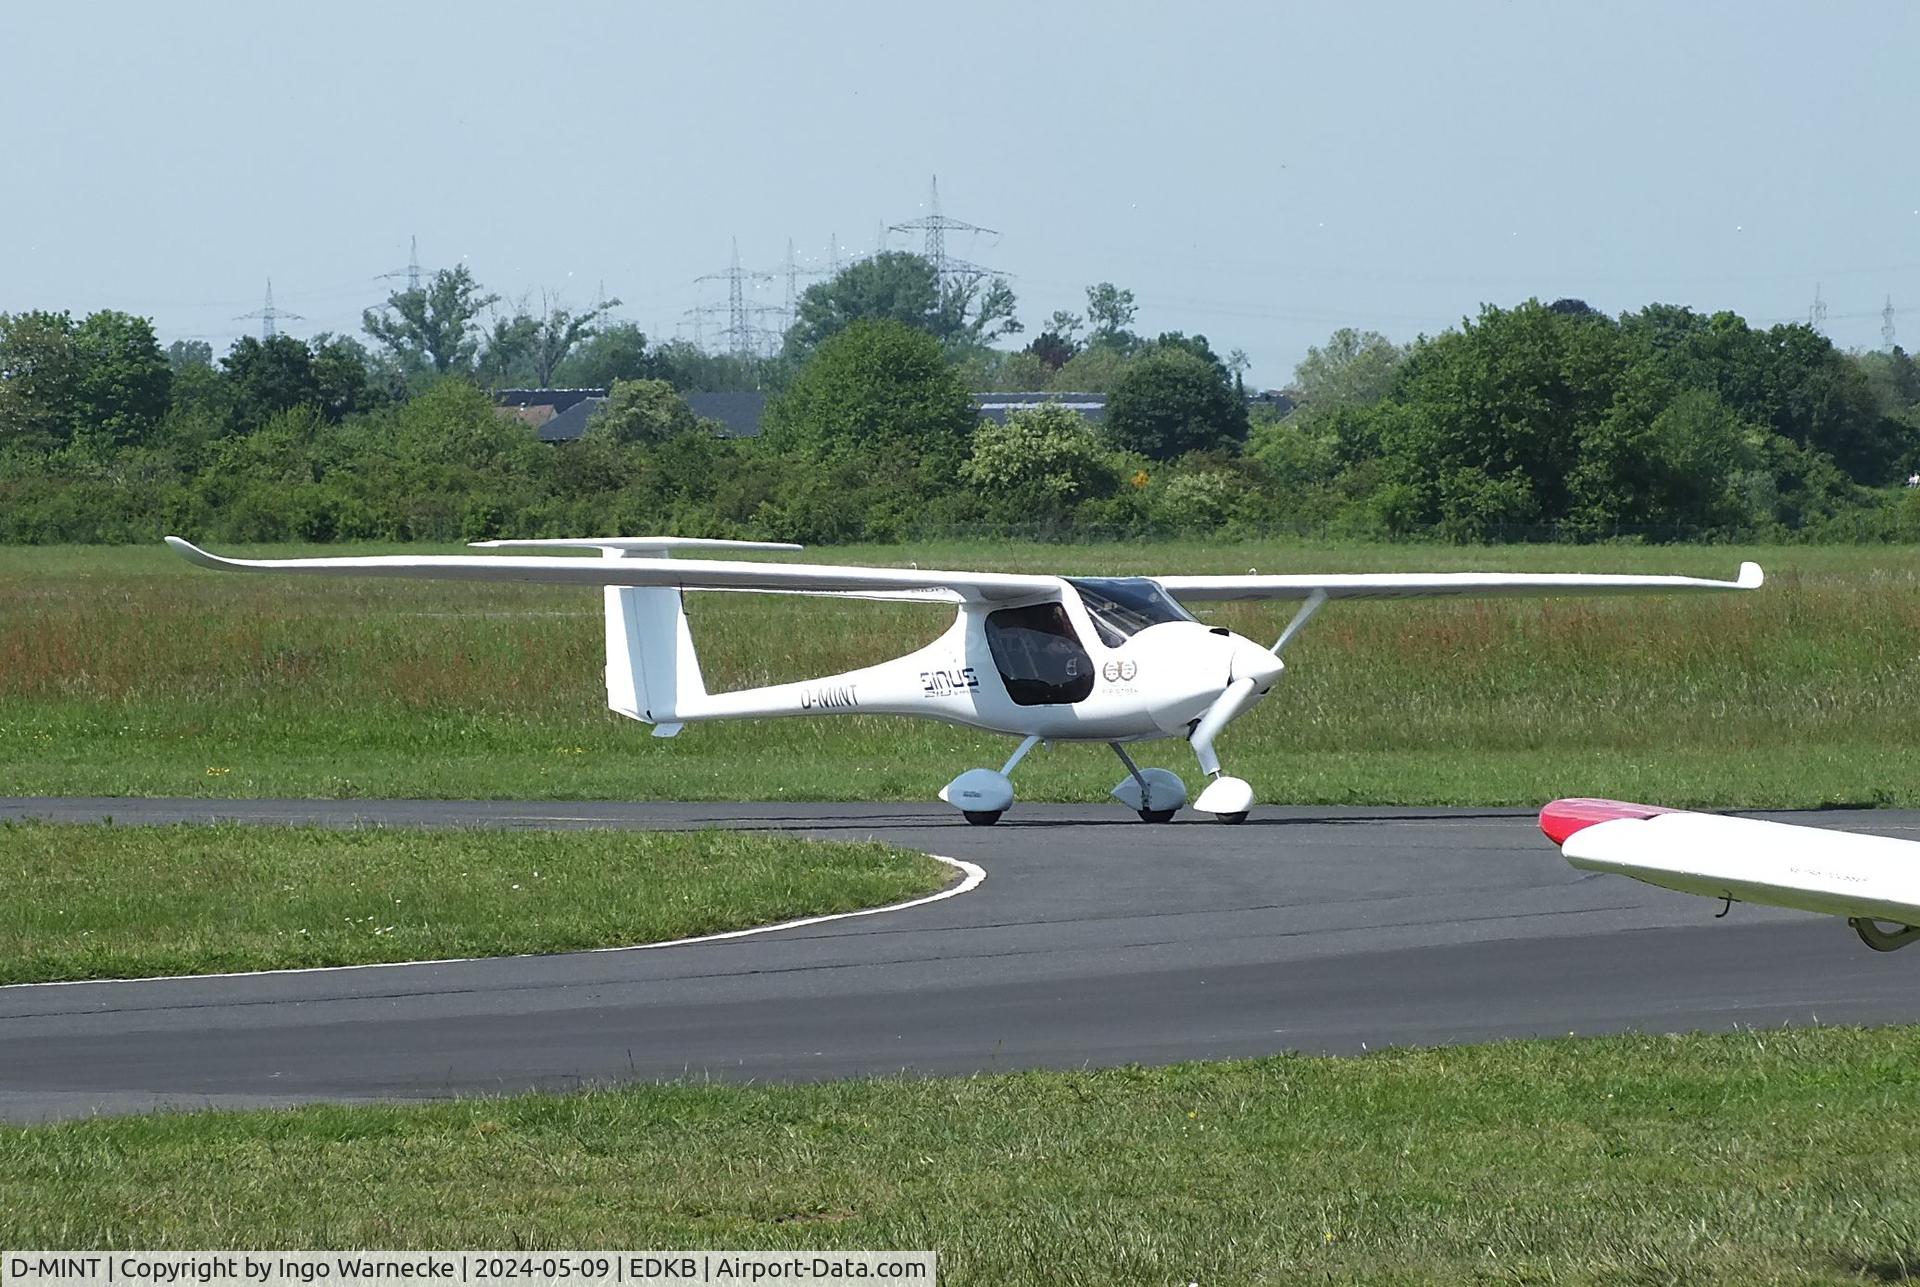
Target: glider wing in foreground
1867, 879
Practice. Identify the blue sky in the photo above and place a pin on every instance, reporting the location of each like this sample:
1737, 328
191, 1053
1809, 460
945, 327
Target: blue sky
1259, 173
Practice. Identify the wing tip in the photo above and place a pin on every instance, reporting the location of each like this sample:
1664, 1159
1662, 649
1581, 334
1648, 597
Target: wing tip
1561, 818
192, 553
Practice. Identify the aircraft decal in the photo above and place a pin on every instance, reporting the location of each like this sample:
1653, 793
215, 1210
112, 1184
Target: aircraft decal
948, 681
829, 697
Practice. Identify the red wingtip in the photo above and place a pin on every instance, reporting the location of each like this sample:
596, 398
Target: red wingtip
1564, 817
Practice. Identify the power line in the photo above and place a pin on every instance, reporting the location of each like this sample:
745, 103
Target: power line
268, 315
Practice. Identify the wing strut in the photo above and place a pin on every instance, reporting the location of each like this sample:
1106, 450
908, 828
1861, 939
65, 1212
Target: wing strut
1314, 603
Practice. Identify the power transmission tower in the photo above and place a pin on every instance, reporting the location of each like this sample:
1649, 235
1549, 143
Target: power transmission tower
268, 315
1886, 325
794, 272
951, 275
696, 319
1817, 315
412, 271
742, 333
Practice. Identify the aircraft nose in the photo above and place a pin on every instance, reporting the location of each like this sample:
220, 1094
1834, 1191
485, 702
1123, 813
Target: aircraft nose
1251, 661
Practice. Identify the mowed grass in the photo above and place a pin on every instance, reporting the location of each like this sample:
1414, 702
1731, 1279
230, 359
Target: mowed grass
1786, 1157
118, 902
126, 671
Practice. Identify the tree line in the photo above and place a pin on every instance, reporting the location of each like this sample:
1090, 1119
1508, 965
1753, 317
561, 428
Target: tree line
1534, 421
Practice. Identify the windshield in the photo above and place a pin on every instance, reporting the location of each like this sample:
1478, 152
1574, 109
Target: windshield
1123, 606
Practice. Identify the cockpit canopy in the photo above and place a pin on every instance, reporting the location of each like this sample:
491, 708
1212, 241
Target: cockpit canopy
1123, 606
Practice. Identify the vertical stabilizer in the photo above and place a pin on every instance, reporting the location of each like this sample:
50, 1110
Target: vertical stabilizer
652, 672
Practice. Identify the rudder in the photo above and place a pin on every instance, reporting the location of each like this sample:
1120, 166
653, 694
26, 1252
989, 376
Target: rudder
653, 674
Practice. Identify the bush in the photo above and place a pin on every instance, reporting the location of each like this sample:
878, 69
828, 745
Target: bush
1039, 463
877, 388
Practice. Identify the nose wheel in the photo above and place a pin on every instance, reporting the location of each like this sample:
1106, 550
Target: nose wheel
981, 817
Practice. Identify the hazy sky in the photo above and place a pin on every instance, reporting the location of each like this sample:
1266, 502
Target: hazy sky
1258, 173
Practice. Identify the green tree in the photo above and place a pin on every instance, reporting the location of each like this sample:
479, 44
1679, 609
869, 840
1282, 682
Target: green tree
186, 353
124, 379
1040, 462
455, 426
1788, 378
1096, 369
1110, 312
1054, 349
39, 372
878, 387
434, 324
1174, 401
899, 286
642, 411
690, 370
342, 376
1488, 421
1354, 368
617, 351
893, 285
557, 330
977, 312
506, 356
269, 376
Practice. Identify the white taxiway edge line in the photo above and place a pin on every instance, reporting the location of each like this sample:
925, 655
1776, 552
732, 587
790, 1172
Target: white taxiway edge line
971, 874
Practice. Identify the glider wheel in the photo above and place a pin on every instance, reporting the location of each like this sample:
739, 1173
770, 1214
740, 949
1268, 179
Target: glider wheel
1157, 815
1232, 819
982, 817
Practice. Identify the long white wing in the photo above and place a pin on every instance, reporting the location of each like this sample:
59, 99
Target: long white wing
1782, 864
685, 574
662, 545
1399, 585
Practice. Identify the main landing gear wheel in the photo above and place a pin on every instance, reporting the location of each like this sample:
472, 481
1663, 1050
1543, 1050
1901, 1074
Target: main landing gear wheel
1233, 819
981, 818
1156, 815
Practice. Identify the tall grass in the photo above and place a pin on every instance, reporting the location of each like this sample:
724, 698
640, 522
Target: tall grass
128, 671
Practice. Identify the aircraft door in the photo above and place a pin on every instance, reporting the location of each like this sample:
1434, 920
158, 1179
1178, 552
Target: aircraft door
1039, 657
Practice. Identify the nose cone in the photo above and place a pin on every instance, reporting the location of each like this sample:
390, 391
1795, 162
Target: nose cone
1251, 661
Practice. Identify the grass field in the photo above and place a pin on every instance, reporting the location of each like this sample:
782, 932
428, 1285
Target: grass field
125, 671
116, 902
1788, 1157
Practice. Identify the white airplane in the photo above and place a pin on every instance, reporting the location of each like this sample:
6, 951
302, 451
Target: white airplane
1867, 879
1037, 657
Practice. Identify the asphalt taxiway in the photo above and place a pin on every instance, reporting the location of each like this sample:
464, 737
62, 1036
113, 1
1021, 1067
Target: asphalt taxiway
1095, 939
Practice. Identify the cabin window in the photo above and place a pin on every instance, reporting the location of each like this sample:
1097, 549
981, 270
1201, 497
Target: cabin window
1122, 606
1039, 657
